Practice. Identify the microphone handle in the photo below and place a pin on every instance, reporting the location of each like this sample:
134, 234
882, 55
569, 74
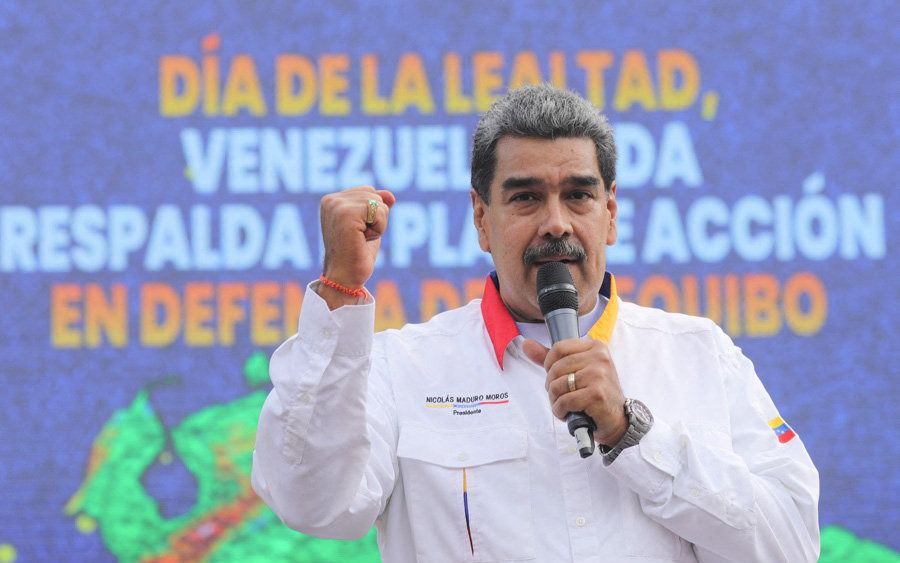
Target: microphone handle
582, 427
563, 324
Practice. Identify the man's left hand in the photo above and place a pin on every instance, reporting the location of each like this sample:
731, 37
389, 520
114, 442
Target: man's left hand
598, 392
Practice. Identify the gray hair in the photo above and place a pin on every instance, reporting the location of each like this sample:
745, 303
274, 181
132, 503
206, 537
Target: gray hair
545, 112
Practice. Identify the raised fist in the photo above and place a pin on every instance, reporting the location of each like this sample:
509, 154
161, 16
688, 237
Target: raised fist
352, 221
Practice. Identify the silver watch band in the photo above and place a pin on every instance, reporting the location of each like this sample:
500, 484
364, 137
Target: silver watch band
640, 420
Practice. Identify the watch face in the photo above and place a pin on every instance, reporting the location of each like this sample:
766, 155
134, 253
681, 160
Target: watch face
641, 411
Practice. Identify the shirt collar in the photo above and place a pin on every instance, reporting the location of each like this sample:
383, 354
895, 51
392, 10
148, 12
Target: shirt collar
502, 328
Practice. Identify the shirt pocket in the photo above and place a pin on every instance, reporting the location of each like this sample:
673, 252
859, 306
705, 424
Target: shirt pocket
468, 493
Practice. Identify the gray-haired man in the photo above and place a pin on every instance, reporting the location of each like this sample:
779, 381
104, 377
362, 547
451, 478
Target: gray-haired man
448, 436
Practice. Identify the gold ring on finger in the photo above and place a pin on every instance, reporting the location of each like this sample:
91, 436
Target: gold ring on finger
371, 210
571, 381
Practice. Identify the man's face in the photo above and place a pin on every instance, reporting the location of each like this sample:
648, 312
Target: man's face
546, 192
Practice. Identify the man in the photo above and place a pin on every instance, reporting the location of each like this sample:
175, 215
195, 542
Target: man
449, 436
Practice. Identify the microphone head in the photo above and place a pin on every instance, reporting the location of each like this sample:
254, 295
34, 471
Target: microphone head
556, 288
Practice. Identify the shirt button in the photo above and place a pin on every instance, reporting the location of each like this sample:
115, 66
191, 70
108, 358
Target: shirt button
328, 332
580, 521
305, 398
695, 492
657, 456
462, 456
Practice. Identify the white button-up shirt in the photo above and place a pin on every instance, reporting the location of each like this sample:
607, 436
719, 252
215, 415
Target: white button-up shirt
441, 435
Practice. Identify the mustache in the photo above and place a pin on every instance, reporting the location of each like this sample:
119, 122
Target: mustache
554, 248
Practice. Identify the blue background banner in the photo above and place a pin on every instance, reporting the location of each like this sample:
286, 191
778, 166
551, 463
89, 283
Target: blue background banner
160, 171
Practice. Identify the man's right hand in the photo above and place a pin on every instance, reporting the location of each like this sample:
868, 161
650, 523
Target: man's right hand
351, 244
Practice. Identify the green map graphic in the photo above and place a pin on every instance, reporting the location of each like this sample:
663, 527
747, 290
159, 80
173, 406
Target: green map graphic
841, 546
229, 522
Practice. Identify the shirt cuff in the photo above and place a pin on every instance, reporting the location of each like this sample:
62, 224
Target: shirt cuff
644, 468
346, 331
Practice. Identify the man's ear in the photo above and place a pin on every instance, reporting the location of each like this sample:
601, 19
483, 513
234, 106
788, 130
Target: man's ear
612, 207
479, 210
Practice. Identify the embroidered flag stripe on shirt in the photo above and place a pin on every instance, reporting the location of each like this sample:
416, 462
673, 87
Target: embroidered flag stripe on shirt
465, 405
466, 509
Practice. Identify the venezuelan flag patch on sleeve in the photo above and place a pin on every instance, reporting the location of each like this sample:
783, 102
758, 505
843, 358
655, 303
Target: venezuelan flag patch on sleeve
784, 432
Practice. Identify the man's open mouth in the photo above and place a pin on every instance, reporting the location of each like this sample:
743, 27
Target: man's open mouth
563, 259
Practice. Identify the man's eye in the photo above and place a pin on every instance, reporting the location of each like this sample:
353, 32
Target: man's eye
582, 195
523, 196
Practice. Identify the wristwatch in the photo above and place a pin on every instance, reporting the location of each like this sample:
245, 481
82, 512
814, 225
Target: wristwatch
640, 420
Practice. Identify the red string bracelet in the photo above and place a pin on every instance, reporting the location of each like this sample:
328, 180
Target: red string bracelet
359, 293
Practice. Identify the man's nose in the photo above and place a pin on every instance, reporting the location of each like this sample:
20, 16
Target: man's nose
556, 222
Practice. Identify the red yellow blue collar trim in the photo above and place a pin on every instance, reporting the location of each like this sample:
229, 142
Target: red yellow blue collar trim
502, 328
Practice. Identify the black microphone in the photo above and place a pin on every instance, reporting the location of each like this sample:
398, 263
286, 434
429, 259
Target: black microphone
558, 300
